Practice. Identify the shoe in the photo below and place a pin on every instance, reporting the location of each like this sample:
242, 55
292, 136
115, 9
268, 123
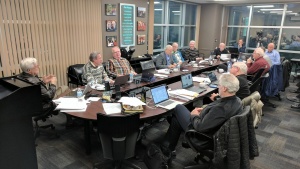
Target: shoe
295, 105
293, 99
295, 91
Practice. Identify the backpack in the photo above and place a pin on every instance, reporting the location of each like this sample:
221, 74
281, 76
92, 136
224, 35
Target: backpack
155, 158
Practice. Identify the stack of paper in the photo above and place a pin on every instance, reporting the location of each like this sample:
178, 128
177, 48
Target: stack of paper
201, 79
163, 71
132, 104
71, 104
112, 108
183, 94
160, 75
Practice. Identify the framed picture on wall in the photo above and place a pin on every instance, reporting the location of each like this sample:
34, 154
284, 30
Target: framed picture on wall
110, 9
141, 12
111, 25
141, 26
111, 41
141, 39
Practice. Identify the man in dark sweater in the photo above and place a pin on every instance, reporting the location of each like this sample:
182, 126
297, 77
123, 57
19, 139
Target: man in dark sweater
220, 50
206, 120
191, 54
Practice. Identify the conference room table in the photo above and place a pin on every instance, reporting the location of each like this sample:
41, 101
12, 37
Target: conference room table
150, 111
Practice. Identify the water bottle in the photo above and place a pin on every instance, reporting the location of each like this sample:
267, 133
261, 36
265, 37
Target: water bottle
131, 77
210, 60
79, 92
228, 66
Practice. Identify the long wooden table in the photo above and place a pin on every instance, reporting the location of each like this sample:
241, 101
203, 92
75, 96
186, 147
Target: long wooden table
96, 107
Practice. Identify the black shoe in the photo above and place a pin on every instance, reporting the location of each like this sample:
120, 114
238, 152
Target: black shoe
295, 105
294, 99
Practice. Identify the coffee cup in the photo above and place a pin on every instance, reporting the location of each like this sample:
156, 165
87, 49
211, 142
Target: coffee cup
202, 84
195, 65
175, 69
221, 70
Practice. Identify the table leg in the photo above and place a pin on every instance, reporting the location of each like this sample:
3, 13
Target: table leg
87, 137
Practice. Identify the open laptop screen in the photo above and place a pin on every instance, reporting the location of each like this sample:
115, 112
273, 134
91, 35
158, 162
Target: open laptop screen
187, 81
212, 77
159, 94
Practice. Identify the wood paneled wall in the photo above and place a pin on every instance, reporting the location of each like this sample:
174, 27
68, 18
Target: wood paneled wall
58, 33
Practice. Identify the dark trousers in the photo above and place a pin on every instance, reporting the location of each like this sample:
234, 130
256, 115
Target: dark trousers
179, 123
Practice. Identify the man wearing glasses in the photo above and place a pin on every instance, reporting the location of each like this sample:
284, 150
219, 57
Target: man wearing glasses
259, 62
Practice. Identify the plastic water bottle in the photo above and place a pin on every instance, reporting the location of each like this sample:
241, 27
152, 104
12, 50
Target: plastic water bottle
79, 92
228, 66
210, 59
131, 77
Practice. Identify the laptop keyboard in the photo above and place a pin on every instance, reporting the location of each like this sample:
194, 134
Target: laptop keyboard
166, 103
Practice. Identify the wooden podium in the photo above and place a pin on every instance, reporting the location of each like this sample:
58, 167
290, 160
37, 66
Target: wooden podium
19, 101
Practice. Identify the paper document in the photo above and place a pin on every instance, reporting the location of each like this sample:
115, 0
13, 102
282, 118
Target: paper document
70, 103
183, 94
70, 110
93, 99
201, 79
112, 108
131, 101
98, 87
164, 71
160, 75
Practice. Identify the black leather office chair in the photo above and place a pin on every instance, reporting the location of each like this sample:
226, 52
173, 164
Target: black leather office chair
255, 86
118, 135
258, 74
192, 137
75, 75
147, 64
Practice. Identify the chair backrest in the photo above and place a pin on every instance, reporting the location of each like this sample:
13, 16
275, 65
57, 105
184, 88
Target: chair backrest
255, 86
118, 135
258, 74
75, 74
147, 64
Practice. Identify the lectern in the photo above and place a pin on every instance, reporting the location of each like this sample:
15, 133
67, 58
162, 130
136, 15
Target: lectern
19, 101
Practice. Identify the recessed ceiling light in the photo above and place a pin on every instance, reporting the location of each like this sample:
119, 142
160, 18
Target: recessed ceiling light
263, 6
271, 9
156, 2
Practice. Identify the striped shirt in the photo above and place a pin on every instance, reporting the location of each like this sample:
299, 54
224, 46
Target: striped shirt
94, 73
116, 68
191, 54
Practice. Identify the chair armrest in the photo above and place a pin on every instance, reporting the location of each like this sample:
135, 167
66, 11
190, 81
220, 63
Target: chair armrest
197, 141
197, 134
75, 77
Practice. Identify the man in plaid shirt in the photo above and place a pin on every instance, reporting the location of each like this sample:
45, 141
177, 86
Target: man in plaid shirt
118, 66
93, 71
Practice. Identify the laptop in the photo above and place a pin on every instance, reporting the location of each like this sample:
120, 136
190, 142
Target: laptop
187, 83
148, 75
233, 50
184, 65
161, 99
225, 57
120, 80
213, 78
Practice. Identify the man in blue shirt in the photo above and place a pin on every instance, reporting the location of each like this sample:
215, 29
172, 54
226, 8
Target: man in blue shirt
273, 54
165, 59
240, 45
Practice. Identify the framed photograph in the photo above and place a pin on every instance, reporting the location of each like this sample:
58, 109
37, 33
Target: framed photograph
141, 12
141, 39
110, 9
141, 26
111, 25
111, 41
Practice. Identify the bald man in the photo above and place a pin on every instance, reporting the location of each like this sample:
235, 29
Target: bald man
273, 54
165, 59
220, 50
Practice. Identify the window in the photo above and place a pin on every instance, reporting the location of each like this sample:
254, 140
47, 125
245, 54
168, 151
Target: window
239, 15
267, 15
235, 34
263, 36
292, 17
174, 22
290, 39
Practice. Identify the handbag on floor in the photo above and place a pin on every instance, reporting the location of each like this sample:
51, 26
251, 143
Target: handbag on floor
155, 158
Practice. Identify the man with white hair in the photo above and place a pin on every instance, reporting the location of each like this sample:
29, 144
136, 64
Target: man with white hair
191, 54
30, 73
259, 62
165, 59
205, 120
220, 50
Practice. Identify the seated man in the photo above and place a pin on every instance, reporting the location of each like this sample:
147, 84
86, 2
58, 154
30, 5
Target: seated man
220, 50
177, 56
191, 54
30, 73
259, 62
240, 45
266, 57
93, 71
205, 120
239, 70
273, 54
165, 59
118, 66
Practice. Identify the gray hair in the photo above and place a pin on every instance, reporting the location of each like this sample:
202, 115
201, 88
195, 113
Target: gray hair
93, 56
192, 41
27, 64
168, 47
260, 52
242, 66
230, 82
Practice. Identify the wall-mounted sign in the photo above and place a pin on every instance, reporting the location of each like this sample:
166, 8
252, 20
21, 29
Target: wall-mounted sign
127, 25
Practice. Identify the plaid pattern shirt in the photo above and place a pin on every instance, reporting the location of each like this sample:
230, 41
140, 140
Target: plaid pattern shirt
115, 67
190, 54
93, 73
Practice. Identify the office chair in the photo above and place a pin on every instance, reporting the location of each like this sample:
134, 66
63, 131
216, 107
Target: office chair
258, 74
118, 135
220, 144
75, 75
255, 86
147, 64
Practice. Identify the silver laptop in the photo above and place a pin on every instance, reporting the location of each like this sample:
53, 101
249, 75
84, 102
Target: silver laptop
225, 57
161, 99
187, 83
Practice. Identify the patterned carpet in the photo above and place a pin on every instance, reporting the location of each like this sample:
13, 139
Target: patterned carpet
278, 138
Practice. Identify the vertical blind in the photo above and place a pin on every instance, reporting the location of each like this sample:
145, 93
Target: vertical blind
58, 33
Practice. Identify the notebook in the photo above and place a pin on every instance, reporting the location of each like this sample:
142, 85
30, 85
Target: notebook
187, 83
213, 78
161, 99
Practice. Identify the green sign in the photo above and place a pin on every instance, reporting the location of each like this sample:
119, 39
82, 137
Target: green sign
127, 25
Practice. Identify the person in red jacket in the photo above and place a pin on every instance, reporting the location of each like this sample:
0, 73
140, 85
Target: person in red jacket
259, 62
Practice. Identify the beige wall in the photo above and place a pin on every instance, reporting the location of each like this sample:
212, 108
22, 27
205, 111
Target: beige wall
139, 49
210, 27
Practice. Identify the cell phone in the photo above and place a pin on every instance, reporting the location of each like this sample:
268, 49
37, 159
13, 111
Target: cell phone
213, 86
